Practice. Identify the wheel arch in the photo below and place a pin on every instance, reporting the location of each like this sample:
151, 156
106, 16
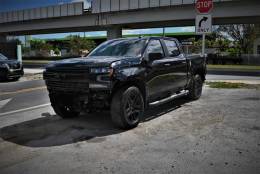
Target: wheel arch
133, 82
200, 71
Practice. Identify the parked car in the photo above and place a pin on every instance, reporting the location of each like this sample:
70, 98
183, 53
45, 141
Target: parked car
10, 69
126, 75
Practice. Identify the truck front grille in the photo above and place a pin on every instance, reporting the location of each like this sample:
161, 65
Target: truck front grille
67, 81
67, 86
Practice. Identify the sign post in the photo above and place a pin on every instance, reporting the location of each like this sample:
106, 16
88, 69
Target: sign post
204, 20
203, 45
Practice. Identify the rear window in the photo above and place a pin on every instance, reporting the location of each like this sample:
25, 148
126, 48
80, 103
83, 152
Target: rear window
172, 47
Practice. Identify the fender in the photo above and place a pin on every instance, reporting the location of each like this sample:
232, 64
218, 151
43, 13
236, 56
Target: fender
130, 76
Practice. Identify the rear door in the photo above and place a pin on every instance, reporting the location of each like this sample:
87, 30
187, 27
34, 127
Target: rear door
177, 63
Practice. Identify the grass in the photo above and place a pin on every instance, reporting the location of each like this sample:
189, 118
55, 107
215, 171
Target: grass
228, 85
235, 67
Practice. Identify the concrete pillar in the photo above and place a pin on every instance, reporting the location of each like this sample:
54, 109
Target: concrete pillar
3, 38
27, 40
114, 32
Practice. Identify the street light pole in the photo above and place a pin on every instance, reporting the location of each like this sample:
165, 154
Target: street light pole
163, 31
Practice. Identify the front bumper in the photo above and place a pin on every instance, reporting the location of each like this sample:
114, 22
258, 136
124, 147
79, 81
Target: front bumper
11, 73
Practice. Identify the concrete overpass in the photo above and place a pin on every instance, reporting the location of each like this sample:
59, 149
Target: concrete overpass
114, 15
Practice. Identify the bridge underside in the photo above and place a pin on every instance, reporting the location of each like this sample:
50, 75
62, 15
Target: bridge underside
233, 12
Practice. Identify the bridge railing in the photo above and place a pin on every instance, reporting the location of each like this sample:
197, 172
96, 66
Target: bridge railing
62, 10
102, 6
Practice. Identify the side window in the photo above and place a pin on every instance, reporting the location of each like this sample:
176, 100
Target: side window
172, 48
155, 46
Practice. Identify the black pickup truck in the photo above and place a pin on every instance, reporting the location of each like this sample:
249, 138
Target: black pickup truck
125, 76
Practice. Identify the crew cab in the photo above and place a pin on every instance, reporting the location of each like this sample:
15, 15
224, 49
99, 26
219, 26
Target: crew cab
127, 76
10, 68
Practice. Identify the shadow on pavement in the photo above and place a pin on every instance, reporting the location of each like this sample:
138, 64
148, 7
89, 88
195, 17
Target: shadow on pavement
51, 130
8, 80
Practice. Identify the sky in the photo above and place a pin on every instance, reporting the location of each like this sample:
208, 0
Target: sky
10, 5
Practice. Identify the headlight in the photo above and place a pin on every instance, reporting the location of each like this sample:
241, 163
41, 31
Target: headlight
114, 64
104, 70
4, 65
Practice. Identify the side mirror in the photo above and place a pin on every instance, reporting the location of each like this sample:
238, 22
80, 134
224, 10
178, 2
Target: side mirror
175, 53
154, 56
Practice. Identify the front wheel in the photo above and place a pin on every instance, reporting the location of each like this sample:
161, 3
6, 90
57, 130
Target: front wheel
16, 79
127, 108
64, 110
195, 89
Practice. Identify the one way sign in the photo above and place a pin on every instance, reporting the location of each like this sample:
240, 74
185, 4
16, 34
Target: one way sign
203, 24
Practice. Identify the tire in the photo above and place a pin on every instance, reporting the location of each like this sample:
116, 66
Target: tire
16, 78
127, 108
3, 79
195, 89
63, 110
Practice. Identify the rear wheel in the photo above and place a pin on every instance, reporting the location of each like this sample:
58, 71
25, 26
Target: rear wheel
16, 78
195, 89
127, 108
62, 109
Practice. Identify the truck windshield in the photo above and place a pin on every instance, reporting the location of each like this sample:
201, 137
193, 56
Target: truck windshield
2, 57
124, 47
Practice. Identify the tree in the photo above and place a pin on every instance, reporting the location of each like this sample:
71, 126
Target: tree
78, 44
243, 36
41, 47
56, 51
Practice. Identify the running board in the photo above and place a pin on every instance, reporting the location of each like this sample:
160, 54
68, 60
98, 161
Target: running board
174, 96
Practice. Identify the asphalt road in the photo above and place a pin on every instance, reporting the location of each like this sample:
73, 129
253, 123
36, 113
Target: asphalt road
219, 133
22, 95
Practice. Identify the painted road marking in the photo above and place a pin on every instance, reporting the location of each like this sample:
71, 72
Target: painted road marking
4, 102
23, 90
25, 109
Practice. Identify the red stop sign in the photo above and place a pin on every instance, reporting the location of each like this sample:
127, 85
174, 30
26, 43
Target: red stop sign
204, 6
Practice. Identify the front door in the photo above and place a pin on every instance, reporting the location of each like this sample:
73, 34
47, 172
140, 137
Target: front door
178, 66
158, 72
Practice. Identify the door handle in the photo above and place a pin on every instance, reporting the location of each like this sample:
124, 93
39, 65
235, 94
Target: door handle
167, 64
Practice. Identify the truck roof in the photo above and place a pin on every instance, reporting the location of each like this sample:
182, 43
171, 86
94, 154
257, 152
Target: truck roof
145, 37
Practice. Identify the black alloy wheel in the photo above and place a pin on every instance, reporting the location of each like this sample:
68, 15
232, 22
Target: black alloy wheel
127, 108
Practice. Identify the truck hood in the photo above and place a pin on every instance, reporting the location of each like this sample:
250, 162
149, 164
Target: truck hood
99, 61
